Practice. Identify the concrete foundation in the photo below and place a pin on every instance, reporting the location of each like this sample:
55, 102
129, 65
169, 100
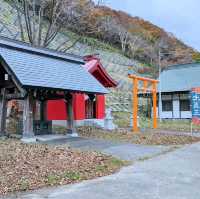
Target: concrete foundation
78, 123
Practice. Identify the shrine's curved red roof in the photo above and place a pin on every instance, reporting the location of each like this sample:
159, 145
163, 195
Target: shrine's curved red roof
95, 67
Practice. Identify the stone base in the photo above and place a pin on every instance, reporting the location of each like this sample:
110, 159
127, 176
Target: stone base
131, 121
109, 125
29, 139
3, 137
72, 135
77, 123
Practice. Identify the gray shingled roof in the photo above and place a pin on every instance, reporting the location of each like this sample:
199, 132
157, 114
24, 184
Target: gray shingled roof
180, 78
47, 69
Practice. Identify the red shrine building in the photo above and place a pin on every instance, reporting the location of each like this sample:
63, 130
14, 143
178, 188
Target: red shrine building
88, 109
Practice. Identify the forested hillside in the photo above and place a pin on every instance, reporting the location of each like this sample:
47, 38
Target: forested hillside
135, 37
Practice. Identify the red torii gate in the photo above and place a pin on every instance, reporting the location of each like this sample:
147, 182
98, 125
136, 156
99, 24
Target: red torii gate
153, 90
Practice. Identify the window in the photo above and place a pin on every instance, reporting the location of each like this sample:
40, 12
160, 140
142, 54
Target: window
185, 105
167, 105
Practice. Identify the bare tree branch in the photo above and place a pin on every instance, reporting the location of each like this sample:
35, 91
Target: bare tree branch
62, 44
27, 20
40, 25
20, 24
72, 45
41, 20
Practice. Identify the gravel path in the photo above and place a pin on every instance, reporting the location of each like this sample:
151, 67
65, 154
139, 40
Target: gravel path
130, 152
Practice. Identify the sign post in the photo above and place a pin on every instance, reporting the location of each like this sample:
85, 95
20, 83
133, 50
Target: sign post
195, 98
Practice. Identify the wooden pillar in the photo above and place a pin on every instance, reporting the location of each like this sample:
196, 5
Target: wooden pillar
100, 106
28, 117
43, 110
3, 112
70, 115
154, 106
135, 105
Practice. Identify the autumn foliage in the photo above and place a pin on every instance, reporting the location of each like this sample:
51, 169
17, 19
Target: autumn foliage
136, 37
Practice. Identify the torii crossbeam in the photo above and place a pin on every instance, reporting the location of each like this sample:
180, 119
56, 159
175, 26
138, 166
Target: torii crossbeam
152, 89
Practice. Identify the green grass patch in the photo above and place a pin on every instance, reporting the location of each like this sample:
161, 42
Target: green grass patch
101, 168
53, 179
145, 138
111, 164
72, 175
24, 184
92, 42
171, 125
59, 129
122, 119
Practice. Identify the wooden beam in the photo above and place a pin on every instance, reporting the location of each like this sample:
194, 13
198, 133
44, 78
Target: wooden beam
145, 90
16, 96
143, 78
7, 84
48, 95
53, 98
3, 112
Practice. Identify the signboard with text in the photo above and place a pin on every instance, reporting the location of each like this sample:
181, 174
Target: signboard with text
195, 95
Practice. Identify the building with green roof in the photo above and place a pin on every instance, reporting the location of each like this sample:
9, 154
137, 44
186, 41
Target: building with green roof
176, 83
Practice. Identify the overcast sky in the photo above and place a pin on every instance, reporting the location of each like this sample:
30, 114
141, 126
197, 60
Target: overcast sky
180, 17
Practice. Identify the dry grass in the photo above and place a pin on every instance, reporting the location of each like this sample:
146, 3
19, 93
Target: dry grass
122, 119
171, 125
140, 138
27, 167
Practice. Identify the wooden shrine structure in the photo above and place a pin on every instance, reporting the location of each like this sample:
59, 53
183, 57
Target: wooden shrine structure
149, 85
36, 75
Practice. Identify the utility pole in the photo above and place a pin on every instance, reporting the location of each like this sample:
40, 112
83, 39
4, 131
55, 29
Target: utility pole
160, 54
160, 87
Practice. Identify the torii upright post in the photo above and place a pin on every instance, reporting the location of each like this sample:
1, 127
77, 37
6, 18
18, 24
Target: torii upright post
154, 105
153, 90
135, 105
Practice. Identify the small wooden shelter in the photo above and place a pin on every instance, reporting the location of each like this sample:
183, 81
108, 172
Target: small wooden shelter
38, 75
